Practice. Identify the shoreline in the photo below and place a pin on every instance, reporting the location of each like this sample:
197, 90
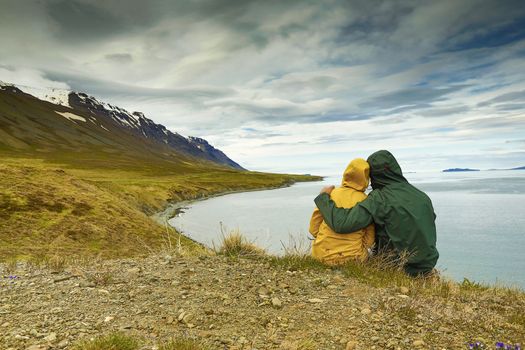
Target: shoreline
173, 208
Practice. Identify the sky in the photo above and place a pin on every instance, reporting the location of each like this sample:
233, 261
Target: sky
293, 86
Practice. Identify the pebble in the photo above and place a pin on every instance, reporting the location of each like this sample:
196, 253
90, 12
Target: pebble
276, 302
51, 337
366, 311
444, 329
357, 316
37, 347
315, 300
351, 345
418, 342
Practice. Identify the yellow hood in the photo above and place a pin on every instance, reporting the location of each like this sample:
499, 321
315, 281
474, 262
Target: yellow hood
357, 175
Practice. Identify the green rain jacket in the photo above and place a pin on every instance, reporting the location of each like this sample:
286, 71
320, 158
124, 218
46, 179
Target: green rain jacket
403, 215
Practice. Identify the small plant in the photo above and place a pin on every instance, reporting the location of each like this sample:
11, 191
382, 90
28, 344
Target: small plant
57, 263
10, 266
471, 285
100, 278
113, 341
236, 245
499, 345
297, 256
294, 262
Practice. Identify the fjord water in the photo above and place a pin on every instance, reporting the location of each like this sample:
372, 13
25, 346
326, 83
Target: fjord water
480, 220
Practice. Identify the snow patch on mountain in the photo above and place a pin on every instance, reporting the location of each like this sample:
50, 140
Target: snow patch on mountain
3, 85
56, 96
71, 116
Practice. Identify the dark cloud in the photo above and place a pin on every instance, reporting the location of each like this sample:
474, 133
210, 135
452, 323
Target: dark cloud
515, 96
406, 69
417, 96
83, 21
511, 107
101, 88
443, 112
119, 57
507, 25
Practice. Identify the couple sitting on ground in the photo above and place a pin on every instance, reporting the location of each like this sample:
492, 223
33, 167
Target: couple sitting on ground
395, 217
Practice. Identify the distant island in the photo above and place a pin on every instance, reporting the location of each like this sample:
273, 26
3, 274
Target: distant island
456, 170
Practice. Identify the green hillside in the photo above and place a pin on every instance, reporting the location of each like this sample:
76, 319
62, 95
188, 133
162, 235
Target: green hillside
70, 188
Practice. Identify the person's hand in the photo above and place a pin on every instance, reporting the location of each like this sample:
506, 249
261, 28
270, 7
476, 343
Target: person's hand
328, 189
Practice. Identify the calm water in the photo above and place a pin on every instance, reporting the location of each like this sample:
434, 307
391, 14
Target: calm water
480, 220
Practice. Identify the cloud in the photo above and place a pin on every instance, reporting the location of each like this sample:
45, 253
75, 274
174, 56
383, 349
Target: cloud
30, 78
515, 96
417, 96
119, 57
256, 77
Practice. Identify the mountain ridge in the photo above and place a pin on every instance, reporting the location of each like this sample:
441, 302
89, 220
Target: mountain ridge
95, 122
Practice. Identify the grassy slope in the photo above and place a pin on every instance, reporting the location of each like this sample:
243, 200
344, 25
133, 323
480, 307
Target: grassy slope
70, 188
60, 207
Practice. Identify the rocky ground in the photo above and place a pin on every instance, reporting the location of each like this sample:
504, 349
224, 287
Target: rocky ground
239, 304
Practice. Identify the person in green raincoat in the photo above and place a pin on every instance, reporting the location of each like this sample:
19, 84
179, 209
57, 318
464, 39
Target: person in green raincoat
403, 215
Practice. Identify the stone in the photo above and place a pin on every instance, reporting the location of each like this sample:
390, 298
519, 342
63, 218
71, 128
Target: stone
134, 271
108, 319
51, 337
263, 292
443, 329
37, 347
315, 300
351, 345
366, 311
187, 318
277, 303
418, 343
404, 290
86, 284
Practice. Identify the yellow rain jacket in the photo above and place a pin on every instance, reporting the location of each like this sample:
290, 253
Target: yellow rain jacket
336, 248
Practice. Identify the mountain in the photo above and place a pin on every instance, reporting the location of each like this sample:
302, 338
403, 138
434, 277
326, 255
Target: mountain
455, 170
518, 168
61, 121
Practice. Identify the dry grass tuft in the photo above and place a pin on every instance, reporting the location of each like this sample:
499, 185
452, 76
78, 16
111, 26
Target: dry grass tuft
236, 245
120, 341
113, 341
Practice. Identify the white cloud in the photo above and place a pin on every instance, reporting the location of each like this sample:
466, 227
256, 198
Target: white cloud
318, 80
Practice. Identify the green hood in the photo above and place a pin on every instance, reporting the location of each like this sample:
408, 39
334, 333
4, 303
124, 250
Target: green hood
384, 169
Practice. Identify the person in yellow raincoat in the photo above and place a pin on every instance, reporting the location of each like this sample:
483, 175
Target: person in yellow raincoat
336, 248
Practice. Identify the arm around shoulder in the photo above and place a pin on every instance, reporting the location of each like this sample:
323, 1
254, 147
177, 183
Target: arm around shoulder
343, 220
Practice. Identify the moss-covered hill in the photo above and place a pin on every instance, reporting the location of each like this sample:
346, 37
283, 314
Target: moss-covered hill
49, 208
